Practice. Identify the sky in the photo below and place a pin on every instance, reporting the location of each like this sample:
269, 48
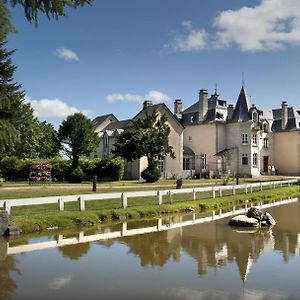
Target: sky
113, 55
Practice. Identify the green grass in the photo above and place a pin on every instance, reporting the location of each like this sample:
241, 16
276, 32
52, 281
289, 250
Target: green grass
41, 217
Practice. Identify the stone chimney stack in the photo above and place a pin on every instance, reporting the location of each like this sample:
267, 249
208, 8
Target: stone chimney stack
203, 104
147, 103
178, 108
230, 109
284, 115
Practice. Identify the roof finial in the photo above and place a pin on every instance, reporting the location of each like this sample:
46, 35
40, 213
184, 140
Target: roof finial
216, 89
243, 80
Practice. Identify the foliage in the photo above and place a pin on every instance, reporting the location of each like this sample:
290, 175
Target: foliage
40, 171
110, 169
11, 99
5, 24
151, 173
61, 168
14, 169
77, 137
76, 176
146, 137
52, 8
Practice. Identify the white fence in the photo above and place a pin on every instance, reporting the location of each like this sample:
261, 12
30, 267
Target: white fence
62, 241
214, 190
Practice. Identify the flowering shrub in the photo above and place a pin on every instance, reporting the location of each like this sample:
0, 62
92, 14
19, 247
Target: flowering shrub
40, 171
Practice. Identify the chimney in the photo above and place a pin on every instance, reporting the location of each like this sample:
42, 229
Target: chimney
147, 103
284, 114
230, 109
178, 108
203, 104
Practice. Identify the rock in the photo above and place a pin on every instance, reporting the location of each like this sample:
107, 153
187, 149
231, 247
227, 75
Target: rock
266, 217
12, 231
3, 222
255, 213
243, 221
122, 218
189, 209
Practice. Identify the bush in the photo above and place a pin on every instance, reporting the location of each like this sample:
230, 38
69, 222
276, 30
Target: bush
107, 170
15, 169
151, 173
89, 167
76, 176
61, 168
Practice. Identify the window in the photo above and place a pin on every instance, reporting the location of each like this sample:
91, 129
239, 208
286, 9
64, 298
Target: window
186, 163
265, 127
245, 159
266, 143
220, 116
254, 159
190, 138
245, 138
161, 164
204, 161
106, 142
255, 117
254, 138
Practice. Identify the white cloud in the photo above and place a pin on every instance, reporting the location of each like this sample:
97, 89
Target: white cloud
194, 39
54, 108
269, 26
57, 283
153, 95
66, 54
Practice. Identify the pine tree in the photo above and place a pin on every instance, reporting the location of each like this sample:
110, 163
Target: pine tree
11, 98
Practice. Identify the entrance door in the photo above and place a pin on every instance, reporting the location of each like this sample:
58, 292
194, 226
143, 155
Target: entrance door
266, 164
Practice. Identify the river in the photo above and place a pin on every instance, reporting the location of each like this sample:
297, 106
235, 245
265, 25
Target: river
172, 258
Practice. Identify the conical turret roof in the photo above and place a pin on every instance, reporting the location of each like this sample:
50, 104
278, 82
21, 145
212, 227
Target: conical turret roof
241, 110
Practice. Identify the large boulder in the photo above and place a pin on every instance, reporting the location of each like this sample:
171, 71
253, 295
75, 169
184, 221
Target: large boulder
244, 221
255, 213
266, 217
3, 222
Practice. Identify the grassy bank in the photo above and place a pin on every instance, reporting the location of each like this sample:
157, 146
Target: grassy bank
42, 217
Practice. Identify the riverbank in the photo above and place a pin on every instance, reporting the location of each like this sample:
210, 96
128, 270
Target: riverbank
46, 217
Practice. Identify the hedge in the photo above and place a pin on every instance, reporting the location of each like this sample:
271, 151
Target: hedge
15, 169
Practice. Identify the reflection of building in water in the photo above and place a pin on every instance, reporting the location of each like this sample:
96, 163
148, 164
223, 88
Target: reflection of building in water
7, 266
286, 232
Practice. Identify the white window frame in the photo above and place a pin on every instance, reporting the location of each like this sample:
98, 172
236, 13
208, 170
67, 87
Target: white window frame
254, 159
244, 138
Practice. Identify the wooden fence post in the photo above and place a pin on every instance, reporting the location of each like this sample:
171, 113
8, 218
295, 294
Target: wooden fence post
124, 200
233, 190
81, 203
170, 197
213, 192
194, 195
246, 189
220, 192
159, 198
61, 204
7, 207
261, 186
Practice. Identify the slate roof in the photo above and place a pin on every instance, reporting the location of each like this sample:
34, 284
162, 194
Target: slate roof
293, 120
242, 107
117, 125
100, 119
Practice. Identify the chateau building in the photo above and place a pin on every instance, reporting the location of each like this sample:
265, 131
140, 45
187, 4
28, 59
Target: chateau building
214, 138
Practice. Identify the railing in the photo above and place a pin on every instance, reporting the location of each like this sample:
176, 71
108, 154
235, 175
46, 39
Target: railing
214, 190
82, 238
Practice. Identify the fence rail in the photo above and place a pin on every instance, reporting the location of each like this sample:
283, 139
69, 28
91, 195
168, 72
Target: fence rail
214, 190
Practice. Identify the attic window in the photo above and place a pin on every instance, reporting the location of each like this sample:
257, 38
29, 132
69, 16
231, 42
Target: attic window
220, 116
255, 116
193, 119
265, 127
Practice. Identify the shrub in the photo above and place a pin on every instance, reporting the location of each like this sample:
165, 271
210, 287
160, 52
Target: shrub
89, 167
61, 168
151, 173
76, 175
110, 169
14, 169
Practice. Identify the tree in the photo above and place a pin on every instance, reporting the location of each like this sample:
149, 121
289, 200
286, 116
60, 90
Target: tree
52, 8
11, 99
5, 24
37, 139
146, 137
77, 137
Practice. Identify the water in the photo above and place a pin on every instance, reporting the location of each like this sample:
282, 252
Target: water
201, 261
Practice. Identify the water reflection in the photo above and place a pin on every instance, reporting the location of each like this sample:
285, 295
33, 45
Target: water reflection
211, 245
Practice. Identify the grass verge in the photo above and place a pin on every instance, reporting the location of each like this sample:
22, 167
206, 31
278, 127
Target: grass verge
42, 217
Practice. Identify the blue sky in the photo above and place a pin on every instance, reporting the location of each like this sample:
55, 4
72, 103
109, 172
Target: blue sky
113, 55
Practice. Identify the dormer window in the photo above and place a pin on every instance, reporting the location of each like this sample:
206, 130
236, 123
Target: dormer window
265, 127
193, 119
219, 116
255, 117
